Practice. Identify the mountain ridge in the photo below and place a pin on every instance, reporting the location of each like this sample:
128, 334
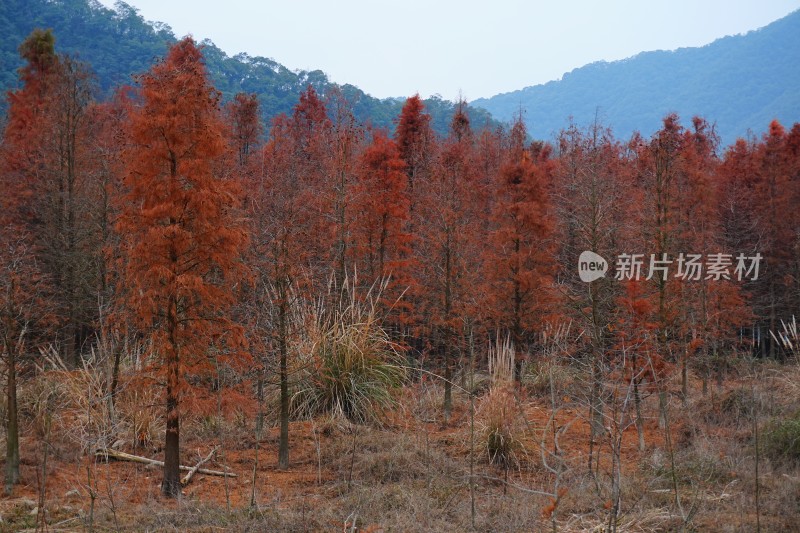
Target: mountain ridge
119, 43
740, 82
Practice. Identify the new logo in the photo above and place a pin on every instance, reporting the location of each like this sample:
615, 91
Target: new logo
591, 266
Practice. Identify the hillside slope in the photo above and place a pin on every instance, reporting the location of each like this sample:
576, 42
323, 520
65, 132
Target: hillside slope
740, 82
119, 44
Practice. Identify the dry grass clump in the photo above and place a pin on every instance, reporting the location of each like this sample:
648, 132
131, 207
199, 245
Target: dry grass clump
73, 404
422, 401
551, 369
59, 407
733, 408
141, 410
788, 338
84, 399
542, 375
501, 431
349, 366
41, 401
497, 415
367, 456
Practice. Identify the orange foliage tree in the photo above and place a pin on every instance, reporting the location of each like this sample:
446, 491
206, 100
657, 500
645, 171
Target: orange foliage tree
448, 244
593, 202
290, 243
775, 214
22, 280
519, 253
708, 310
183, 237
382, 206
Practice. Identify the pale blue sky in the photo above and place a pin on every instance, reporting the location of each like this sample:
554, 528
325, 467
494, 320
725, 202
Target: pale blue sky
397, 48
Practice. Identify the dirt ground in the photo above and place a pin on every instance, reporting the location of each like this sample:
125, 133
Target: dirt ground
413, 474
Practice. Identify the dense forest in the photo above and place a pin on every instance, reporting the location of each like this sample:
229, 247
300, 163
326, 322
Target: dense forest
119, 44
738, 82
395, 318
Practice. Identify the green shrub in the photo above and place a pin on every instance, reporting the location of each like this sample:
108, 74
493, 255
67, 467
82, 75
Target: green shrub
780, 440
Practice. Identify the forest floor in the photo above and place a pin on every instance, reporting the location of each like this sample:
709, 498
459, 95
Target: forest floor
413, 474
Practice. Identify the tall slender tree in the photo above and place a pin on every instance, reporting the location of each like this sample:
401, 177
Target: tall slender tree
448, 231
347, 139
519, 265
48, 138
382, 204
244, 126
183, 235
417, 144
21, 276
593, 197
774, 214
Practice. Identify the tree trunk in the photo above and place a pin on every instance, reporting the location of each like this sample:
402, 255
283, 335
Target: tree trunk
112, 392
171, 484
283, 446
637, 401
260, 399
662, 409
616, 478
705, 383
773, 320
12, 427
448, 376
685, 378
596, 426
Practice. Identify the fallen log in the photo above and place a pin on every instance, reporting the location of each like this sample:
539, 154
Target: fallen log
122, 456
188, 477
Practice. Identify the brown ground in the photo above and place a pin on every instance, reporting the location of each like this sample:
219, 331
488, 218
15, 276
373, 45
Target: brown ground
412, 475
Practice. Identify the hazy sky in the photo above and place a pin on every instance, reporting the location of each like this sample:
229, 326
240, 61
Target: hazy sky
397, 48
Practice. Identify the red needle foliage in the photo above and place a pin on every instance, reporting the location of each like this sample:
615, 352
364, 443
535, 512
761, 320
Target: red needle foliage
519, 258
382, 204
183, 239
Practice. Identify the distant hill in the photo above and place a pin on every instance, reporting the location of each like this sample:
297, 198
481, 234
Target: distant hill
740, 82
120, 43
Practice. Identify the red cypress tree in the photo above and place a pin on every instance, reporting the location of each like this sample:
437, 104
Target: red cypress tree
244, 126
448, 245
382, 205
773, 213
758, 189
414, 138
708, 311
292, 235
22, 283
182, 236
637, 345
520, 258
660, 171
593, 201
347, 138
47, 140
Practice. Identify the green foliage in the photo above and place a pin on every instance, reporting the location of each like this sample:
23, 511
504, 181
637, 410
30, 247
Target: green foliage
116, 43
740, 82
119, 44
781, 439
39, 47
348, 365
